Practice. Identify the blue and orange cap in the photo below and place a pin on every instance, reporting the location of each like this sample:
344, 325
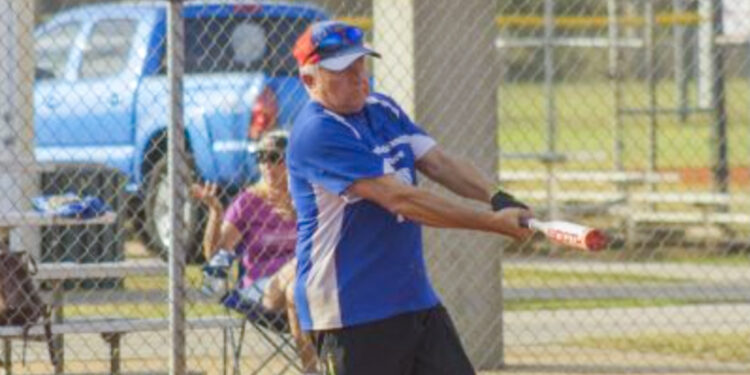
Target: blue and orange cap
334, 45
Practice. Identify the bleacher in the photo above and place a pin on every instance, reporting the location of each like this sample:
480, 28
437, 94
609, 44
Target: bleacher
630, 201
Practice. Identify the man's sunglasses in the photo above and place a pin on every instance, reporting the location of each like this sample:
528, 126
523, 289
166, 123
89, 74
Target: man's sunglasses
340, 37
270, 156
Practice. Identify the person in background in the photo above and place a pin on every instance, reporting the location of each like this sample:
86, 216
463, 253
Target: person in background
362, 289
259, 226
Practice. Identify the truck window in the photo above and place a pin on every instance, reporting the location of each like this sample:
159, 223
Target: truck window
107, 48
52, 49
241, 44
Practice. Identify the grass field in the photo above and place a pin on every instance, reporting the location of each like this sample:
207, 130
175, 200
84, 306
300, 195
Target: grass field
512, 278
149, 309
580, 304
585, 118
725, 347
531, 278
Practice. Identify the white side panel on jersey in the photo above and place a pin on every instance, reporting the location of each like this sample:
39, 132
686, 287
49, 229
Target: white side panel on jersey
322, 285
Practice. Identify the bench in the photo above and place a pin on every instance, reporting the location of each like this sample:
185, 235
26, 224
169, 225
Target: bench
622, 177
112, 330
56, 274
674, 208
34, 218
14, 219
571, 196
704, 200
601, 201
712, 208
690, 217
630, 205
694, 198
574, 203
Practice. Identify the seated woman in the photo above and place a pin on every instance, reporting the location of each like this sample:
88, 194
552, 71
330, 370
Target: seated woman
260, 224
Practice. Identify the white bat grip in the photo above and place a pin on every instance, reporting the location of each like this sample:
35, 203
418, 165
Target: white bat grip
531, 223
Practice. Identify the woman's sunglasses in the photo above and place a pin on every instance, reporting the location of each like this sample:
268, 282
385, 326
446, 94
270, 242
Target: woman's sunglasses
270, 156
340, 37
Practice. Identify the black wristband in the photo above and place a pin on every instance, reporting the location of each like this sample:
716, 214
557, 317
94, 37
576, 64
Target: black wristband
502, 200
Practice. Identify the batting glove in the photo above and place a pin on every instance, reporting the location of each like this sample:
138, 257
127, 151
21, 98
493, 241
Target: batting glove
502, 200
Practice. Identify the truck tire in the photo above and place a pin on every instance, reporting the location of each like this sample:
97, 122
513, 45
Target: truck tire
156, 210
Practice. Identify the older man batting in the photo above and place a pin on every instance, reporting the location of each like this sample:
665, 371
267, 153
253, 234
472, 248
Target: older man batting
362, 288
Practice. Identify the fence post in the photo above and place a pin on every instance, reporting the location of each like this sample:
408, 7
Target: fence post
681, 66
653, 123
615, 76
394, 71
706, 48
177, 168
719, 134
550, 105
17, 164
447, 72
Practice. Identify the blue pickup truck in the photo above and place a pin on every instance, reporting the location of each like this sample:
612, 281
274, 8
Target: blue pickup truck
101, 92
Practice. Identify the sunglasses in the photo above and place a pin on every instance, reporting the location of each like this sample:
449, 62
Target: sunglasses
340, 37
270, 156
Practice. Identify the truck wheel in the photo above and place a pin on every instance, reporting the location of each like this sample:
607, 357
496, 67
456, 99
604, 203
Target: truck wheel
157, 215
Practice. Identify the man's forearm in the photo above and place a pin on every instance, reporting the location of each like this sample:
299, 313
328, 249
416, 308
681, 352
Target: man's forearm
457, 175
430, 209
427, 208
469, 182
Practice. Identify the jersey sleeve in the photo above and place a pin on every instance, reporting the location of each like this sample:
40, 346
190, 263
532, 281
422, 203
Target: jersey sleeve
333, 155
419, 140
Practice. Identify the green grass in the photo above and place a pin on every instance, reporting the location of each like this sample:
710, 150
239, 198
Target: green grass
193, 277
142, 310
517, 277
724, 260
149, 310
725, 347
513, 277
585, 123
584, 304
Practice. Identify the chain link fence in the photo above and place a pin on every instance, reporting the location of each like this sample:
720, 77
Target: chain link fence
630, 115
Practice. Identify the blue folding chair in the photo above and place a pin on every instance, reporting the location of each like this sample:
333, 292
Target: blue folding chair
272, 326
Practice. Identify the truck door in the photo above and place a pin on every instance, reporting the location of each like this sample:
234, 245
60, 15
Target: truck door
96, 108
54, 47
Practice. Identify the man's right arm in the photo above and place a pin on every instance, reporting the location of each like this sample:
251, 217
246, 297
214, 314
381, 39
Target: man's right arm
430, 209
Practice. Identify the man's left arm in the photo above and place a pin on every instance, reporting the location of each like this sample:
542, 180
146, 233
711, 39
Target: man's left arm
455, 174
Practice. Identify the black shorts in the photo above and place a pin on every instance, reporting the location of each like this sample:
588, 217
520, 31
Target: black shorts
419, 343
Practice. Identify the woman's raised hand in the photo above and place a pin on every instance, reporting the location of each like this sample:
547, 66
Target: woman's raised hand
206, 194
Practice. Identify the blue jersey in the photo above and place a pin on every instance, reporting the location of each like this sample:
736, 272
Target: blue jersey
357, 262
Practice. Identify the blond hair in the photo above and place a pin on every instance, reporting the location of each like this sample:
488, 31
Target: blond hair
262, 189
283, 207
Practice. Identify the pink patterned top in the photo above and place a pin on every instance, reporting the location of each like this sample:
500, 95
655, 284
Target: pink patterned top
268, 238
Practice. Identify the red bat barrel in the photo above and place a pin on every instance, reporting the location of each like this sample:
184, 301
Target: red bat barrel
570, 234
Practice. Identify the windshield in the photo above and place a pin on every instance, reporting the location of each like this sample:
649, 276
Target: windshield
241, 44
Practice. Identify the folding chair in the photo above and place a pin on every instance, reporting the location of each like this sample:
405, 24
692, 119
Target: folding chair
272, 326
